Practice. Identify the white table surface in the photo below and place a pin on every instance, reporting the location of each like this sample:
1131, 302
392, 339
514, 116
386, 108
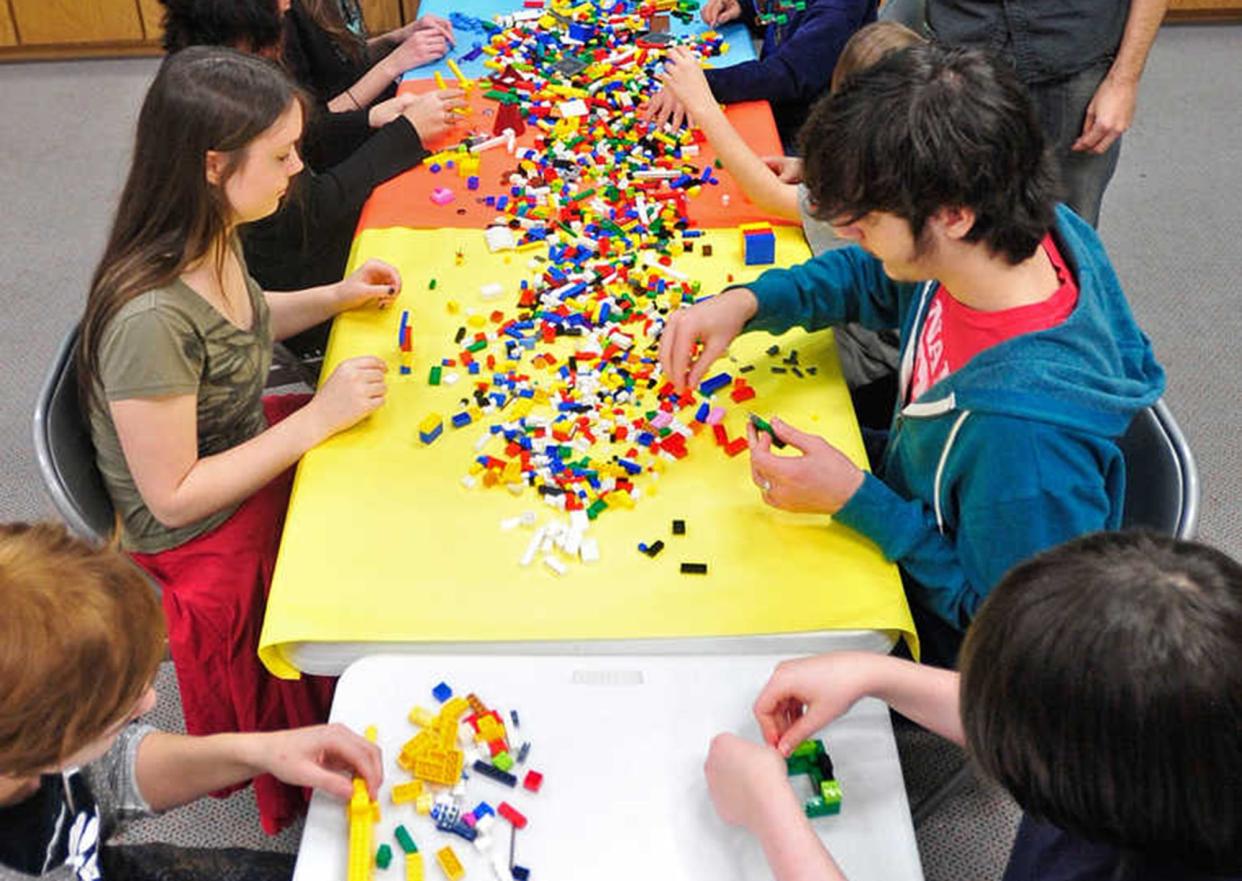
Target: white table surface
621, 742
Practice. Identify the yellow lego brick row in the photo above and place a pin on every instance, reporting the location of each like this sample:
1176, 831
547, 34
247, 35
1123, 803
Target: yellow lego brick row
449, 863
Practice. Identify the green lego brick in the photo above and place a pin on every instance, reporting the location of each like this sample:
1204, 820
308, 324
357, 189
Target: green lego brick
831, 792
503, 761
810, 748
383, 856
434, 378
404, 839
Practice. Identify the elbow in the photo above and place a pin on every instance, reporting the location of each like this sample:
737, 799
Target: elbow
171, 512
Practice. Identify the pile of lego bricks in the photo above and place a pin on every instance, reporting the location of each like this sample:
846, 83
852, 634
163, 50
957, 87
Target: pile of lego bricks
569, 380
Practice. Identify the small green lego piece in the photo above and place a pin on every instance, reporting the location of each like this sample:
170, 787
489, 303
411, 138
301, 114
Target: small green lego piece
808, 748
383, 856
763, 425
434, 378
597, 507
404, 839
795, 765
817, 807
431, 285
503, 761
831, 792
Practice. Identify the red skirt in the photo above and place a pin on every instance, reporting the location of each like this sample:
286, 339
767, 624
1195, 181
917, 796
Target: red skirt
215, 593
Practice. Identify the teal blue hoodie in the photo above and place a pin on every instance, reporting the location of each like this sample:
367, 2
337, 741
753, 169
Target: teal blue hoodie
1013, 453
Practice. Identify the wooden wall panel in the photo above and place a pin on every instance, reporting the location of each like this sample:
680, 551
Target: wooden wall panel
44, 22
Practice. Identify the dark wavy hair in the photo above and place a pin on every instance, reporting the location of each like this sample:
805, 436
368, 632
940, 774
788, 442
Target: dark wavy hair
203, 98
1102, 687
929, 127
249, 25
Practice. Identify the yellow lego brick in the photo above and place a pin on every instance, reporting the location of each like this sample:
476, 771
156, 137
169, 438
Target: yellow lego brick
404, 793
413, 867
441, 766
454, 709
453, 307
476, 320
424, 803
421, 716
449, 863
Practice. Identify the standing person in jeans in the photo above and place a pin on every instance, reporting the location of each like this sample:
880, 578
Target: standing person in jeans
1081, 63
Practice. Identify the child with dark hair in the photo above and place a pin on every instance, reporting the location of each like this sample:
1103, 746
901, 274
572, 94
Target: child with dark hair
307, 242
794, 68
1021, 363
1099, 685
80, 641
774, 183
174, 353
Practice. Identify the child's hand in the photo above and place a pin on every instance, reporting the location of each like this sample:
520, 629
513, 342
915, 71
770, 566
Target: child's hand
747, 781
805, 695
325, 757
714, 323
820, 481
788, 169
683, 77
717, 12
373, 282
665, 107
422, 46
386, 111
432, 114
355, 388
435, 22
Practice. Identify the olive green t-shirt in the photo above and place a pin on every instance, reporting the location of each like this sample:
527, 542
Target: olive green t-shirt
169, 342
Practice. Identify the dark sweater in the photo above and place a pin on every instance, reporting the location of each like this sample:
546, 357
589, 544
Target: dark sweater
796, 62
307, 241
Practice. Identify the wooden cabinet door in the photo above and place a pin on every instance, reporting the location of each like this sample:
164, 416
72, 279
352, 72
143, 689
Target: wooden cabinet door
152, 16
381, 15
48, 22
8, 36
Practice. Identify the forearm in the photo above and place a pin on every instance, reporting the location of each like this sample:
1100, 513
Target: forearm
793, 850
216, 482
173, 769
366, 88
1140, 32
926, 695
294, 311
757, 181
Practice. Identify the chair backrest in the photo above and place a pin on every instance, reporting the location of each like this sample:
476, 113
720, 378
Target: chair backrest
1162, 482
66, 456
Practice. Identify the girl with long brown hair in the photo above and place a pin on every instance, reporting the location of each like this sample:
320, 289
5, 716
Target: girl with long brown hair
175, 348
340, 65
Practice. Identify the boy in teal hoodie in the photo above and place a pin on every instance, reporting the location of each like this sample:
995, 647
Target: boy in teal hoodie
1021, 363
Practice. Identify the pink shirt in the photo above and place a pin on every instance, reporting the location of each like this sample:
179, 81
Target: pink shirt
953, 333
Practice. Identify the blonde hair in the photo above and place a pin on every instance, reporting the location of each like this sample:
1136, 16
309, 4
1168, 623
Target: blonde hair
868, 45
81, 636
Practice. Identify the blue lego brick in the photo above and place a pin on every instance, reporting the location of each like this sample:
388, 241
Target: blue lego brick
520, 873
460, 420
429, 436
442, 692
713, 385
494, 773
760, 248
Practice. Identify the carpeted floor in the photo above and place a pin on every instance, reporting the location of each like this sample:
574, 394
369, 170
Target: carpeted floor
1170, 221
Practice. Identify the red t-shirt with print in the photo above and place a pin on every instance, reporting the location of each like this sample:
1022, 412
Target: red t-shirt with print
953, 333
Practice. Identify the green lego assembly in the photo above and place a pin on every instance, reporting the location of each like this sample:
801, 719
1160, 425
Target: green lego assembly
810, 758
383, 856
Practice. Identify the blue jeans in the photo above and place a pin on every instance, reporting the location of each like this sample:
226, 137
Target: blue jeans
1061, 108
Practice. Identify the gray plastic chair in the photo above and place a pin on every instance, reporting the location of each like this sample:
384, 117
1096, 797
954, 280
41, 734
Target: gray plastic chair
66, 456
1162, 482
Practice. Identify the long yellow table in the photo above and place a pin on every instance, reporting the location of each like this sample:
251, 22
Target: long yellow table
384, 544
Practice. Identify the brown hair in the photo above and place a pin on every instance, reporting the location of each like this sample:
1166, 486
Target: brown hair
203, 98
327, 15
868, 45
1102, 687
80, 640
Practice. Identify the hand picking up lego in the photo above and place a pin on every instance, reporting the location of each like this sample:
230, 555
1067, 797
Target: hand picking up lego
820, 481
